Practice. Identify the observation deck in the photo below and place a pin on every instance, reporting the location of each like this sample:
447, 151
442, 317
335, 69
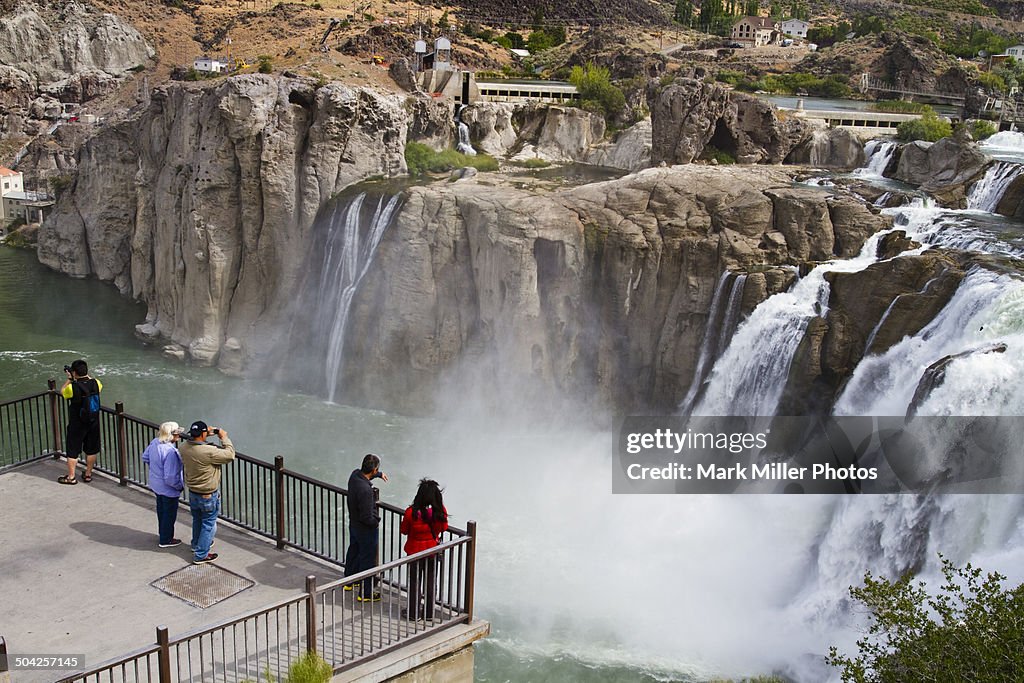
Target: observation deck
82, 574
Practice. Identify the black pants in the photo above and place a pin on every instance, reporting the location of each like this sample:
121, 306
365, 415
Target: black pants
362, 554
422, 583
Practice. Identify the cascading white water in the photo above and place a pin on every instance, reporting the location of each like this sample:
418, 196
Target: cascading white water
879, 154
347, 258
987, 192
885, 384
464, 145
1005, 145
751, 373
885, 534
723, 317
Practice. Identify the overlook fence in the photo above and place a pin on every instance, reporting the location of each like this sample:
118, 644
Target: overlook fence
294, 511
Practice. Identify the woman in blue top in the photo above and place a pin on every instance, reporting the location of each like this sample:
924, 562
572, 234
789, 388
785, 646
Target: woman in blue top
165, 479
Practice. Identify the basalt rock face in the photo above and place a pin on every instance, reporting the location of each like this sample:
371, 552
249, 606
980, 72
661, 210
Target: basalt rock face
868, 312
832, 148
51, 46
691, 115
945, 169
600, 291
200, 206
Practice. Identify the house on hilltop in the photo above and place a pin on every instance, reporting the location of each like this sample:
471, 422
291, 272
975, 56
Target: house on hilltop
209, 65
797, 28
757, 31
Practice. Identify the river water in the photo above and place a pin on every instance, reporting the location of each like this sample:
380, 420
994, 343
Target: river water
581, 585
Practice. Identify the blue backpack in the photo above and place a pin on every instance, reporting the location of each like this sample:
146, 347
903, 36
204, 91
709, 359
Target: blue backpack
90, 410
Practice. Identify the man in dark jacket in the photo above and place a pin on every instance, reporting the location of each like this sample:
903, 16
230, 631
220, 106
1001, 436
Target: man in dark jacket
362, 524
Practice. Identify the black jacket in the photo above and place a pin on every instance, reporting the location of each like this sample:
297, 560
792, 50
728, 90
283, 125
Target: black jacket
362, 509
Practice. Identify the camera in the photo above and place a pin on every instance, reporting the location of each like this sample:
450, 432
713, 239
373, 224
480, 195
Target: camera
215, 431
67, 369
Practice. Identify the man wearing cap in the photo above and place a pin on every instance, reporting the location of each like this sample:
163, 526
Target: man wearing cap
202, 463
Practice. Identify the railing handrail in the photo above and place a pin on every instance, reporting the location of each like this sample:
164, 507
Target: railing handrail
231, 621
43, 445
393, 564
110, 663
22, 399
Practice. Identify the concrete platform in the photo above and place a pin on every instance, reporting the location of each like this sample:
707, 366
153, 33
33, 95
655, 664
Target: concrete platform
77, 563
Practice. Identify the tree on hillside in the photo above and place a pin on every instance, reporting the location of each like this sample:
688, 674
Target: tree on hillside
753, 8
711, 14
597, 92
971, 630
684, 12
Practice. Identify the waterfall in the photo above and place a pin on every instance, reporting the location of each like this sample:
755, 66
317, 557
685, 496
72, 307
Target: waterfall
985, 308
987, 192
750, 376
347, 255
723, 317
879, 154
465, 146
1007, 144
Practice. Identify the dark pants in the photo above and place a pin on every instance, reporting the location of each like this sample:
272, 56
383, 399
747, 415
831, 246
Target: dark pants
422, 582
166, 515
362, 553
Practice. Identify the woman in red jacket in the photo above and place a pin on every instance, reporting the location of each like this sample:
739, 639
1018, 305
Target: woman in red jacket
423, 522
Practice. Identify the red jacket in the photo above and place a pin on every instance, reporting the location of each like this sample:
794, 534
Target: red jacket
422, 533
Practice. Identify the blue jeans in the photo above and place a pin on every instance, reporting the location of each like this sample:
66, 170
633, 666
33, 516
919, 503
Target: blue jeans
166, 516
204, 522
362, 553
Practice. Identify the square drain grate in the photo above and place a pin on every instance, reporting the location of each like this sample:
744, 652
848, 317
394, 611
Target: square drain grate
202, 585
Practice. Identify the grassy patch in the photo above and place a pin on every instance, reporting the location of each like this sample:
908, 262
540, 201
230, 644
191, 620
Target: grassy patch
535, 162
898, 107
422, 159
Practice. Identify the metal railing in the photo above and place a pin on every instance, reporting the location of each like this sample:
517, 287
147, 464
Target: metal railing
295, 511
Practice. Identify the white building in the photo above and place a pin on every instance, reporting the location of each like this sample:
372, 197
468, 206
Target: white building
1017, 51
209, 65
795, 27
756, 31
16, 203
11, 182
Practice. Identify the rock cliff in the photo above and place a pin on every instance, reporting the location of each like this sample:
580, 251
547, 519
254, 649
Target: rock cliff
600, 291
201, 205
692, 118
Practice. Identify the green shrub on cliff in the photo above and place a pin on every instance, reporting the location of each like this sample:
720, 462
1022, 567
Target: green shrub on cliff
597, 92
969, 630
930, 127
979, 129
422, 159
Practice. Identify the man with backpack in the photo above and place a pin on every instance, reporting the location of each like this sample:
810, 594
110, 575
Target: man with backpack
83, 433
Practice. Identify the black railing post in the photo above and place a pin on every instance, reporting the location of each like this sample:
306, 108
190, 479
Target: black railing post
163, 655
54, 418
279, 503
122, 445
311, 613
3, 656
470, 566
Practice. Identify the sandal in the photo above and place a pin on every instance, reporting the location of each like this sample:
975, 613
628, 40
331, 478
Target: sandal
86, 478
64, 479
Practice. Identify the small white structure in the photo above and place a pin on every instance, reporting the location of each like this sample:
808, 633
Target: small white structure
15, 202
520, 54
12, 183
756, 31
1017, 51
795, 27
209, 65
442, 54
